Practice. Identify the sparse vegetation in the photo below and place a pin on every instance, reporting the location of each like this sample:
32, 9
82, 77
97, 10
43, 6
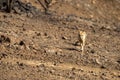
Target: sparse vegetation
38, 46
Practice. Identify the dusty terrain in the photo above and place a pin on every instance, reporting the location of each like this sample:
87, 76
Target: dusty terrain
42, 47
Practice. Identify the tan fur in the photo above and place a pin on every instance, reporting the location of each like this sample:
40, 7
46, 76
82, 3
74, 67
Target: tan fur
82, 38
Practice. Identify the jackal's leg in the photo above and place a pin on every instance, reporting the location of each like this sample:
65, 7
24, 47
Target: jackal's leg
82, 45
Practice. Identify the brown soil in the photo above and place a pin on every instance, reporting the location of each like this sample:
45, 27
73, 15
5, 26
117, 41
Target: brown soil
43, 47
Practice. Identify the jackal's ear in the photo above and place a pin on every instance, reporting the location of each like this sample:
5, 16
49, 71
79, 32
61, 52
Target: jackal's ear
81, 32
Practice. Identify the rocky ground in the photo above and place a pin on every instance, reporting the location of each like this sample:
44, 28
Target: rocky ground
39, 46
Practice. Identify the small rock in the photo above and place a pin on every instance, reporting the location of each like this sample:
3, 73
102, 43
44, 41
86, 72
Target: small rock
20, 64
21, 43
17, 10
95, 74
73, 68
38, 34
91, 71
117, 29
108, 27
65, 38
52, 71
4, 39
77, 43
103, 67
5, 16
82, 70
8, 40
92, 51
45, 34
118, 61
97, 61
51, 51
78, 5
29, 15
3, 55
119, 76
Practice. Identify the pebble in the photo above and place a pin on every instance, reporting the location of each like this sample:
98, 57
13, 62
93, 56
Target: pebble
95, 74
65, 38
17, 10
97, 61
92, 51
82, 70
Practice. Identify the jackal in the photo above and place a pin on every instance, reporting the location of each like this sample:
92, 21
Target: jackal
7, 4
81, 39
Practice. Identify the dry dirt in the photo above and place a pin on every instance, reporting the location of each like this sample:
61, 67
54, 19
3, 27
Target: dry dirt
43, 47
